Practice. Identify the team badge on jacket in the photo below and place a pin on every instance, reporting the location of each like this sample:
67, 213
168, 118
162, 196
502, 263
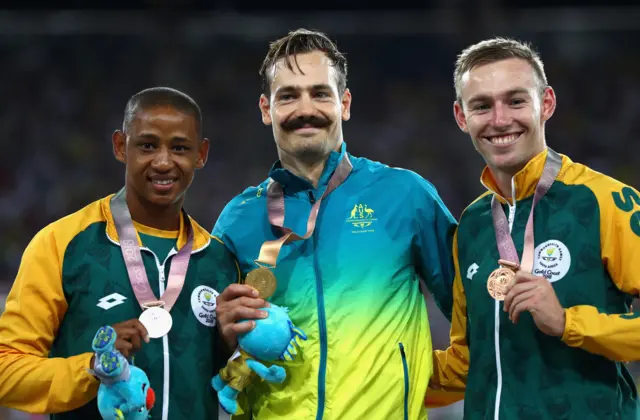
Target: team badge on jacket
203, 303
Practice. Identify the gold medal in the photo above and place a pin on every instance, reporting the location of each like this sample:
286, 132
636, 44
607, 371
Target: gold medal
501, 279
263, 280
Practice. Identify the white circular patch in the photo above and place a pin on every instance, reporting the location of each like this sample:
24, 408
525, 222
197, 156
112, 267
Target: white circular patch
552, 260
203, 303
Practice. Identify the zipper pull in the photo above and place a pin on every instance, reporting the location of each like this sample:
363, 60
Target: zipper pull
311, 197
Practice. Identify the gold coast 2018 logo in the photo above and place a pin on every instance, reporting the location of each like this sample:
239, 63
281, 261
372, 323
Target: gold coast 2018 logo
552, 260
203, 304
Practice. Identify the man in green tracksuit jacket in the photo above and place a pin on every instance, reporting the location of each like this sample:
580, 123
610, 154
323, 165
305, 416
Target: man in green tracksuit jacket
553, 343
73, 280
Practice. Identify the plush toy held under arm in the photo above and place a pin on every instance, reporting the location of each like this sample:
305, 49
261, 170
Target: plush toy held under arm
124, 392
274, 338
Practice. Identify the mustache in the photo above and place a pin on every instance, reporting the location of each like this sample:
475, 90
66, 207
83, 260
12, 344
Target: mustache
300, 122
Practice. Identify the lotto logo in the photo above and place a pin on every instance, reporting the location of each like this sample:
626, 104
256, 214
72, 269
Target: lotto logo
108, 302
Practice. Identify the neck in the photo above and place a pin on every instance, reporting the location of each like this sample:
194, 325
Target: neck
310, 169
153, 215
503, 176
503, 181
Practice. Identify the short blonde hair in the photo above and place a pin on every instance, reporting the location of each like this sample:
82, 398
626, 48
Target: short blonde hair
497, 49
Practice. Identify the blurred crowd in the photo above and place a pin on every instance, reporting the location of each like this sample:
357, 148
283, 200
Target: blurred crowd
64, 96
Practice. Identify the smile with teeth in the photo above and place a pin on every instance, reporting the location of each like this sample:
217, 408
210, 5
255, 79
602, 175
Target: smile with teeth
163, 181
506, 139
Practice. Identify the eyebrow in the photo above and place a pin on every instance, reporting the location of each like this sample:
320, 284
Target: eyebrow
150, 136
297, 88
509, 93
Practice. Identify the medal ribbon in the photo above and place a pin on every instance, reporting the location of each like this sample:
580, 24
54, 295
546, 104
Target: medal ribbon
506, 247
133, 258
275, 208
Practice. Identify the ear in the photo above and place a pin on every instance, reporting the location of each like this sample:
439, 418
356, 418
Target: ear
119, 141
265, 109
548, 103
346, 105
203, 153
461, 119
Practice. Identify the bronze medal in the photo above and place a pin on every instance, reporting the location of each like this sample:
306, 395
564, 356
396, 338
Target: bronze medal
263, 280
501, 280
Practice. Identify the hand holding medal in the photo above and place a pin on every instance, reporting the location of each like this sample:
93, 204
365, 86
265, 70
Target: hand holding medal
534, 294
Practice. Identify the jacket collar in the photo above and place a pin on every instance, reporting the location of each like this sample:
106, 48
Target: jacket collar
292, 183
524, 182
201, 238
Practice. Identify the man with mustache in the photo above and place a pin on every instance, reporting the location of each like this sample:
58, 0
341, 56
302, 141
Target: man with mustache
364, 235
542, 321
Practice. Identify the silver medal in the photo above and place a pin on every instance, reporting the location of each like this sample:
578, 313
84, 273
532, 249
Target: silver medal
157, 321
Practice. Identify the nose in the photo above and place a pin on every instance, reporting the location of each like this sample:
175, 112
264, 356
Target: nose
162, 161
501, 116
305, 105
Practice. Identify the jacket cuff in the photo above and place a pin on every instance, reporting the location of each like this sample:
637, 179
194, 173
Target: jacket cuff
89, 368
573, 336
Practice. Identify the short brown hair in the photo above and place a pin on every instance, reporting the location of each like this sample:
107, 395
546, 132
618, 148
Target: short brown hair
497, 49
303, 41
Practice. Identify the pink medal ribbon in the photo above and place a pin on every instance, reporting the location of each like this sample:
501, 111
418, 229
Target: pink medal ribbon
506, 247
275, 208
503, 278
155, 317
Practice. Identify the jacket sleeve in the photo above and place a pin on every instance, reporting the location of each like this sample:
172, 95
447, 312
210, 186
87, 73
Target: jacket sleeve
615, 336
432, 245
224, 225
451, 366
29, 380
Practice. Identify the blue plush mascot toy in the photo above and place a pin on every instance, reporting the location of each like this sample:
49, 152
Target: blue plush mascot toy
124, 392
274, 338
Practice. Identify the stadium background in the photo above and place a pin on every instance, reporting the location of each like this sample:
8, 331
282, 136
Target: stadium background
67, 74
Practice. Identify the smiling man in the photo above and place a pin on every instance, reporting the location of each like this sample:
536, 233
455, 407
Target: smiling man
365, 234
542, 319
134, 259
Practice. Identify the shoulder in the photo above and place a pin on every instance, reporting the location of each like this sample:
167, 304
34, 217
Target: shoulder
217, 258
64, 230
53, 240
614, 199
245, 202
602, 186
218, 248
241, 209
479, 206
404, 180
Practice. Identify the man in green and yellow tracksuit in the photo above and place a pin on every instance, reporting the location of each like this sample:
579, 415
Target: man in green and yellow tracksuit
73, 280
556, 347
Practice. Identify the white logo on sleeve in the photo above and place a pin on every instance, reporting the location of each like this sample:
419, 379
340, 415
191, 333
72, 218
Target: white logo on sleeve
473, 269
552, 260
203, 303
108, 302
